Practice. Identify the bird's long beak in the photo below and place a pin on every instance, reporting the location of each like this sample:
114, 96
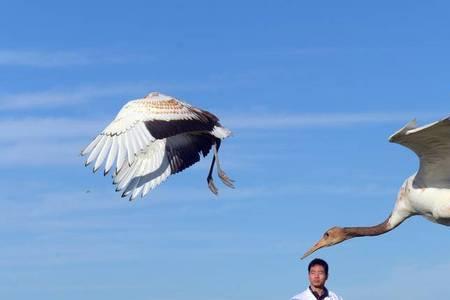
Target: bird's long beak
314, 248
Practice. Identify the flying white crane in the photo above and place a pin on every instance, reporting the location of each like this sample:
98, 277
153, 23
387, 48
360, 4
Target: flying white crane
152, 138
425, 193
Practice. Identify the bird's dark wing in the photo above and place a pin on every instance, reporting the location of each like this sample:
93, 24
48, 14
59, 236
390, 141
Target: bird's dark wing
184, 150
431, 143
200, 121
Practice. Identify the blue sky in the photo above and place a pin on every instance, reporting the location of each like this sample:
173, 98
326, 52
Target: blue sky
311, 91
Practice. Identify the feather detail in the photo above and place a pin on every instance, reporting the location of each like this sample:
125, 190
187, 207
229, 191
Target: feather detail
112, 155
91, 146
97, 148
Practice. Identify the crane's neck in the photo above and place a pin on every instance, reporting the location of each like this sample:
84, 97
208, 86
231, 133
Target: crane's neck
400, 213
390, 223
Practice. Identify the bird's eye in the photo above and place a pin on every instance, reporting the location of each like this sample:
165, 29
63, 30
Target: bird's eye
326, 235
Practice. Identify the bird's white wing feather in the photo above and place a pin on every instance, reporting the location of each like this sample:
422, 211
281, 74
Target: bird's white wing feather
148, 170
138, 124
431, 143
161, 159
120, 141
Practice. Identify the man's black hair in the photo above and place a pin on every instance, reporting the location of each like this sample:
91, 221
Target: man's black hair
318, 261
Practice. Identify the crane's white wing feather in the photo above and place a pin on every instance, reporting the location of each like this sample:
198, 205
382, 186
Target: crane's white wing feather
149, 169
431, 143
140, 123
161, 159
117, 145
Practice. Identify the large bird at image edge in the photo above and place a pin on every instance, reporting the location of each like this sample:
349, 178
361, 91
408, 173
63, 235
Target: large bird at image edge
152, 138
425, 193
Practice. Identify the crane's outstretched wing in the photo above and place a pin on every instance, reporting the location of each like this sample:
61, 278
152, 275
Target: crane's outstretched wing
139, 123
431, 143
160, 160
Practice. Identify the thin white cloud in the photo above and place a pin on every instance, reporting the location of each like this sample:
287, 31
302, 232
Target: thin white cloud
49, 59
41, 154
301, 120
48, 128
79, 57
41, 141
64, 98
50, 203
57, 98
45, 141
38, 128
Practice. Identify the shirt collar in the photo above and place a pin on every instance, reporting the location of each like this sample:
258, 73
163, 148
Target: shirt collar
324, 295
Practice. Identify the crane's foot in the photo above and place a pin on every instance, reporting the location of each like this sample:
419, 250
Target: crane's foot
212, 186
225, 179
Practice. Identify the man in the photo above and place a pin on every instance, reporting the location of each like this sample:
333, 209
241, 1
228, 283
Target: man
318, 275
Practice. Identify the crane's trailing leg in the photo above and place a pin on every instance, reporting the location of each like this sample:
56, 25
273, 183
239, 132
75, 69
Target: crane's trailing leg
210, 180
225, 179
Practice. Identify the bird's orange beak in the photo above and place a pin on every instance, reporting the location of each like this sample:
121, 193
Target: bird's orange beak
314, 248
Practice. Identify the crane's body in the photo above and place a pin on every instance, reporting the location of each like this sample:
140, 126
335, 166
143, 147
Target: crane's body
152, 138
425, 193
431, 203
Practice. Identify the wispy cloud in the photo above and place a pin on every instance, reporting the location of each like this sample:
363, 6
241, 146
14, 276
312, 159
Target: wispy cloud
49, 128
63, 98
49, 203
64, 220
59, 127
67, 97
300, 120
58, 140
40, 154
49, 59
45, 141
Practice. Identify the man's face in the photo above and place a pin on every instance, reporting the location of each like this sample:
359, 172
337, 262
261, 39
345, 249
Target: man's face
317, 276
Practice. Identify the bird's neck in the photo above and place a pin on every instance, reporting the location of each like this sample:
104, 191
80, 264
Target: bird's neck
389, 224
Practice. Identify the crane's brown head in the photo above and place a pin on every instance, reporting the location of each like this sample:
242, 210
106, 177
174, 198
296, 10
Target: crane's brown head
331, 237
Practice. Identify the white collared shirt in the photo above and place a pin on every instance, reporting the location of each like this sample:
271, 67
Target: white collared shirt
308, 295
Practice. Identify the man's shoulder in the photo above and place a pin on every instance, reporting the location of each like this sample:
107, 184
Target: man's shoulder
302, 296
333, 295
307, 295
